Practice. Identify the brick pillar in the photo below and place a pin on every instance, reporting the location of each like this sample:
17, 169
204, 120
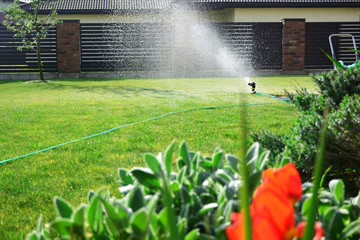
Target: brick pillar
68, 48
293, 44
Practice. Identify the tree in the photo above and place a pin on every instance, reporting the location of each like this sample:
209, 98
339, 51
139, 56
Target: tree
30, 26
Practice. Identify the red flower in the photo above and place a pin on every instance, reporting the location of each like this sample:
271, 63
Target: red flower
271, 211
287, 179
318, 230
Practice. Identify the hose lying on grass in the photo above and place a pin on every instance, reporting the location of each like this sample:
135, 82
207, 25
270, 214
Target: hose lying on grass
146, 120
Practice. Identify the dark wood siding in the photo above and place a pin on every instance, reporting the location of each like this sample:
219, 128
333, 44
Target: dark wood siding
12, 60
317, 38
125, 47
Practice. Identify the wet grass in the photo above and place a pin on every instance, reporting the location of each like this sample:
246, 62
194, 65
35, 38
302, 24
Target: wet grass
35, 116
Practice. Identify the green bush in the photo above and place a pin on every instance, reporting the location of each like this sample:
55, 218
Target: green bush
338, 90
194, 202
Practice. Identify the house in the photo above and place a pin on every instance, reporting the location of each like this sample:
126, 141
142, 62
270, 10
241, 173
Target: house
107, 35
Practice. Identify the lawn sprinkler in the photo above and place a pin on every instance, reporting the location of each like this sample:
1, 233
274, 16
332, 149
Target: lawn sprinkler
252, 85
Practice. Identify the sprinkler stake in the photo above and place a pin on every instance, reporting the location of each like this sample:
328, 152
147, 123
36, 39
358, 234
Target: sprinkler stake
253, 86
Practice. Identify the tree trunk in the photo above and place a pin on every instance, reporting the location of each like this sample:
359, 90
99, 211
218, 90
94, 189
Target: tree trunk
40, 63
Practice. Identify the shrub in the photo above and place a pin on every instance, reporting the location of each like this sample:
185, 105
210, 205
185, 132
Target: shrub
193, 203
339, 90
196, 201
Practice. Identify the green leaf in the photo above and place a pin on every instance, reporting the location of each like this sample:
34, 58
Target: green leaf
146, 178
253, 153
32, 236
125, 177
91, 194
39, 227
337, 188
193, 235
111, 213
185, 195
79, 215
337, 64
350, 229
181, 226
136, 199
63, 227
168, 157
233, 161
94, 216
263, 160
139, 222
202, 176
184, 154
207, 208
153, 163
217, 159
63, 208
333, 222
254, 180
305, 208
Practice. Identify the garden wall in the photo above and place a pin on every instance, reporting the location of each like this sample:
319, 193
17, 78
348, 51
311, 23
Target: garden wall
138, 48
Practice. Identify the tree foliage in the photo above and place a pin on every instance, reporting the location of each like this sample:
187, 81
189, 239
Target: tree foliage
30, 26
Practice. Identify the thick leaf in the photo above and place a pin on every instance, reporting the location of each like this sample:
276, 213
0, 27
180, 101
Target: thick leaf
193, 235
196, 162
63, 208
254, 180
202, 176
184, 154
232, 189
39, 227
185, 195
233, 162
79, 215
139, 222
337, 188
94, 216
91, 194
153, 163
136, 199
146, 178
253, 153
223, 175
32, 236
111, 228
217, 158
305, 208
182, 226
333, 222
180, 163
207, 208
350, 229
63, 227
168, 157
125, 177
263, 160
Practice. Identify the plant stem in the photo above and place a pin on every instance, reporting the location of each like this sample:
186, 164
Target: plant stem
309, 231
244, 190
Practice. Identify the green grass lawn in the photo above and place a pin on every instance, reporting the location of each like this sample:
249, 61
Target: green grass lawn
35, 116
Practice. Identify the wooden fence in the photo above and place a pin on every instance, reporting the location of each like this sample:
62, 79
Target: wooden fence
148, 47
12, 60
317, 38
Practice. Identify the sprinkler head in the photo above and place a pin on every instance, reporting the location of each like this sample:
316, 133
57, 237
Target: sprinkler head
253, 86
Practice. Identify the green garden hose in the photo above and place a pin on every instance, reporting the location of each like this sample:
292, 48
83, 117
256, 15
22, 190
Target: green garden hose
134, 123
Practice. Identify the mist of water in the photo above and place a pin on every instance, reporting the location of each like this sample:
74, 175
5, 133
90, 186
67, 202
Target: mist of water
185, 39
